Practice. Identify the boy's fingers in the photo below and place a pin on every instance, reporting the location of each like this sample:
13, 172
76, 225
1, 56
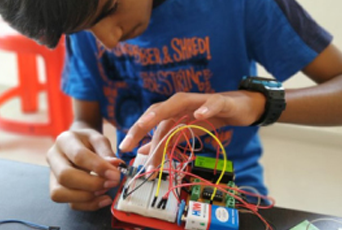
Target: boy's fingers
162, 129
78, 199
63, 194
145, 149
83, 158
115, 161
93, 205
214, 105
176, 106
101, 145
69, 176
103, 148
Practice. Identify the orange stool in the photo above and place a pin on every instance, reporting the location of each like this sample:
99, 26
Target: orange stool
59, 104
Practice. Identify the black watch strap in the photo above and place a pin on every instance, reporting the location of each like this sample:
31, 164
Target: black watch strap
275, 97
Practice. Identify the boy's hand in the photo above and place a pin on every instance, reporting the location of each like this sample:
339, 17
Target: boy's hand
83, 168
237, 108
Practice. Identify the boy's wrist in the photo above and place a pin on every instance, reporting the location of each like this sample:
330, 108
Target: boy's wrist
259, 105
274, 94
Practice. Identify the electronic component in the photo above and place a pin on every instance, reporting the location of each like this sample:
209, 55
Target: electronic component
131, 171
202, 216
230, 200
208, 192
181, 210
196, 191
187, 200
205, 166
140, 202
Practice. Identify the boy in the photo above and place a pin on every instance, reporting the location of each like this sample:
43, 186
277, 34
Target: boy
155, 61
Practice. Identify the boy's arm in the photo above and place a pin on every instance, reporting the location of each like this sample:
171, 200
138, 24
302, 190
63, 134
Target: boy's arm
86, 115
319, 105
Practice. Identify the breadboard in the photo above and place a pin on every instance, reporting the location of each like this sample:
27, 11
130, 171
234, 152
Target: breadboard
140, 202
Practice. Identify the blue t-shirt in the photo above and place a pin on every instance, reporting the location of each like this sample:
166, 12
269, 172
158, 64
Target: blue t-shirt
195, 46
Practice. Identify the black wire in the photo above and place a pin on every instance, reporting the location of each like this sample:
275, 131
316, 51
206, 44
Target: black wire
139, 186
270, 223
144, 182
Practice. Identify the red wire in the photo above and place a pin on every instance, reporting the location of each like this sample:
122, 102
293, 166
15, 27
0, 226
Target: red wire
235, 189
248, 206
251, 207
171, 158
190, 147
221, 187
200, 142
216, 134
172, 152
214, 130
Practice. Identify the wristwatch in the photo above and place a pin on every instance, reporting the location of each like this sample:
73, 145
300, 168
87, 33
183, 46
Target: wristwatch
275, 97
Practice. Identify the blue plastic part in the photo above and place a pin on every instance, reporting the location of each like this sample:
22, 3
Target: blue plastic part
140, 167
224, 218
130, 172
269, 83
180, 212
266, 83
29, 224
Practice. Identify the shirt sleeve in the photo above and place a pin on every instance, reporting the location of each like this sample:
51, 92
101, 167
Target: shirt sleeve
80, 68
282, 36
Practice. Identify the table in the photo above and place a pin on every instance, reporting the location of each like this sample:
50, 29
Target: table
24, 195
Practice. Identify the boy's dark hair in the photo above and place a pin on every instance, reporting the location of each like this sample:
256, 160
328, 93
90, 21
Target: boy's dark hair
46, 20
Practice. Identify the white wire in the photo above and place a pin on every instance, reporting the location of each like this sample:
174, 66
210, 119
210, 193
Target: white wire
253, 190
150, 157
193, 148
323, 219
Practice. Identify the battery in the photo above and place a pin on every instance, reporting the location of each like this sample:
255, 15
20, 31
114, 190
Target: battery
202, 216
223, 218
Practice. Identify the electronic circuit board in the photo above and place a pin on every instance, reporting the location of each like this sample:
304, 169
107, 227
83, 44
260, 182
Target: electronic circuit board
137, 209
191, 189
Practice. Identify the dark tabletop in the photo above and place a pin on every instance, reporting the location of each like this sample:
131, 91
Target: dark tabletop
24, 195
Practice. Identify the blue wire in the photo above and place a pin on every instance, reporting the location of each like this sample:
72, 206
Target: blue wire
27, 223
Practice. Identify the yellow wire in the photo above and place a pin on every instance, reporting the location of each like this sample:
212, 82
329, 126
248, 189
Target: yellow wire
206, 131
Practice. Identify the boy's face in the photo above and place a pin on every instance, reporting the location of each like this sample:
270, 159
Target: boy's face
118, 20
